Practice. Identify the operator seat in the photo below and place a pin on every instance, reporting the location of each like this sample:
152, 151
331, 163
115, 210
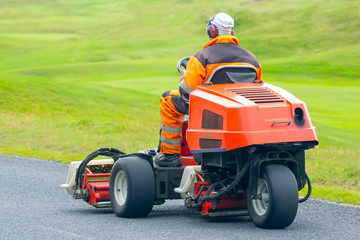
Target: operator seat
233, 74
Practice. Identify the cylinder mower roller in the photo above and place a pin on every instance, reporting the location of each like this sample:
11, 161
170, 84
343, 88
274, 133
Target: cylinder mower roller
242, 152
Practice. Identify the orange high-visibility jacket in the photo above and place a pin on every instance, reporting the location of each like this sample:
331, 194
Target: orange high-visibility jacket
220, 51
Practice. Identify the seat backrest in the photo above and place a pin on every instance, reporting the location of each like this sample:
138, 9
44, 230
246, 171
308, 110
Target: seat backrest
186, 119
233, 74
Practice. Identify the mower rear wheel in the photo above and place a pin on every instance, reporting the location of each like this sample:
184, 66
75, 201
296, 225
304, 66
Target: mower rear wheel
132, 187
277, 198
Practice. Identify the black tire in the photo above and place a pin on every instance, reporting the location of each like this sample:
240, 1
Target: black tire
132, 187
278, 208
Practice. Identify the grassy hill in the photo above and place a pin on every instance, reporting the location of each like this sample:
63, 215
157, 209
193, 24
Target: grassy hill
79, 75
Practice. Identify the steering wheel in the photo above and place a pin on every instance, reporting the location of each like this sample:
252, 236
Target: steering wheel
182, 63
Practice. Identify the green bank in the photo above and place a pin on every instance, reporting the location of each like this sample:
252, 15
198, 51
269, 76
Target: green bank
79, 75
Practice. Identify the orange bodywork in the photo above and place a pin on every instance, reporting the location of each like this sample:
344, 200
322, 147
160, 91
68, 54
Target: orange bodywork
245, 114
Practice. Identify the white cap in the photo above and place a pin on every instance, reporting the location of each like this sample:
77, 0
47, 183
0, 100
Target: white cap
224, 23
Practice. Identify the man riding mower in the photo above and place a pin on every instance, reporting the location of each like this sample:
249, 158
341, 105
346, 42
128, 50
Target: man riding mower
223, 49
239, 149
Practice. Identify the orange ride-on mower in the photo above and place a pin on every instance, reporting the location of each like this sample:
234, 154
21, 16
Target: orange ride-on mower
243, 153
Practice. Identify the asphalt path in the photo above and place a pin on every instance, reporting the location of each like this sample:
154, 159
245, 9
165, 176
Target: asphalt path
33, 206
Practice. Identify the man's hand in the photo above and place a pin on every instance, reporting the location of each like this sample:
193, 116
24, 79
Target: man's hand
182, 77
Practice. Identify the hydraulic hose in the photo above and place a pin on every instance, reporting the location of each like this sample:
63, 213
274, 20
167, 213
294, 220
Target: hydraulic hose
110, 152
227, 189
309, 189
197, 201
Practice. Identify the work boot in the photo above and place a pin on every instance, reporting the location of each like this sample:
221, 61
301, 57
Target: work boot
168, 160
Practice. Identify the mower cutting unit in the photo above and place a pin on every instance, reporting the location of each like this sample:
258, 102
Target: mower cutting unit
243, 153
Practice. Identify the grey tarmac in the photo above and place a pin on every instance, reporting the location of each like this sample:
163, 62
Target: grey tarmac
33, 206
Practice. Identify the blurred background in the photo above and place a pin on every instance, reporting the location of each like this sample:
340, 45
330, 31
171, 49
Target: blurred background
79, 75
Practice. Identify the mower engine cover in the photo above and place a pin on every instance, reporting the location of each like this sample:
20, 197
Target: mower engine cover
242, 114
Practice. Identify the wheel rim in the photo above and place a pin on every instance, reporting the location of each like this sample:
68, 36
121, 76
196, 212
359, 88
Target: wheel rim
120, 188
261, 205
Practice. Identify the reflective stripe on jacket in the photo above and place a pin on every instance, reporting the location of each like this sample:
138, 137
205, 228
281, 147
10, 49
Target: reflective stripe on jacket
220, 51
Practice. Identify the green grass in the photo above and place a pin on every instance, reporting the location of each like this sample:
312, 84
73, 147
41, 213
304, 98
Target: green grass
79, 75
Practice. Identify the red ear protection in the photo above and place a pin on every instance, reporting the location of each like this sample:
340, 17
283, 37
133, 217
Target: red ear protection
211, 29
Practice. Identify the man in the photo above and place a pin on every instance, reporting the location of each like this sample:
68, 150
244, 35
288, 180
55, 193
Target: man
222, 49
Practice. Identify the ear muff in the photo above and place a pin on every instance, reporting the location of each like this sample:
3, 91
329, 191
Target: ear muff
211, 29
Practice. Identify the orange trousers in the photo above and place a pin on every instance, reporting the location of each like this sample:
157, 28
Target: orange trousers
172, 110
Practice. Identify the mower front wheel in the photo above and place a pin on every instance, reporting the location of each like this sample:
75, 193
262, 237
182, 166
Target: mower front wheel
132, 187
276, 202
